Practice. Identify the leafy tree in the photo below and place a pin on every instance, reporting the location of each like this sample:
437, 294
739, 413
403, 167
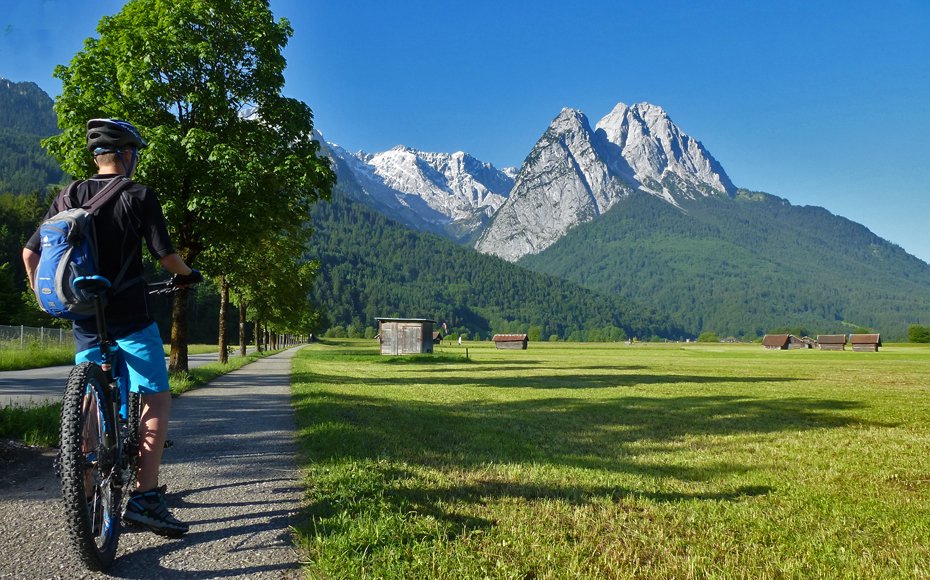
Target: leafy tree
554, 338
918, 333
708, 337
617, 334
187, 73
336, 332
534, 334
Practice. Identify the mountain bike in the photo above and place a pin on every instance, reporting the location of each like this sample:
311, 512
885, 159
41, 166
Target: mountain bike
99, 441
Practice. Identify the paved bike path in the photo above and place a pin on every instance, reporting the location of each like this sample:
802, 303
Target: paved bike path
46, 384
231, 476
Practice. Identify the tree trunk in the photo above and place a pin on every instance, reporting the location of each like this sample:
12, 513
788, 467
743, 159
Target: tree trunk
258, 335
224, 310
177, 362
242, 341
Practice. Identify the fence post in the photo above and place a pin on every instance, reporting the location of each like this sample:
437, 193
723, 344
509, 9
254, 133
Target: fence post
42, 337
22, 336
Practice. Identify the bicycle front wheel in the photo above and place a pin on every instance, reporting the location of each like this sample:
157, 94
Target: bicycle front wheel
90, 486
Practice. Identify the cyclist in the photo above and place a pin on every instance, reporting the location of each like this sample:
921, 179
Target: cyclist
121, 225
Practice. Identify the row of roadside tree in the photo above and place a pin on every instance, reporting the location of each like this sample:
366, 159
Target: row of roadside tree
231, 159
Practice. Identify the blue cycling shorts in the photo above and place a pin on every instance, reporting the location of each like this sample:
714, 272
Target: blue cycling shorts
141, 354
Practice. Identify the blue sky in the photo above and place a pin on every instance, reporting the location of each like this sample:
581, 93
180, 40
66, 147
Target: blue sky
822, 103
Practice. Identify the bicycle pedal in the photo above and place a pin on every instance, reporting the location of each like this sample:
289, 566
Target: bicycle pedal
169, 443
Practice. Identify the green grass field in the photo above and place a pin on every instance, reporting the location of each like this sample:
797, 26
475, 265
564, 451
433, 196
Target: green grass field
16, 359
614, 461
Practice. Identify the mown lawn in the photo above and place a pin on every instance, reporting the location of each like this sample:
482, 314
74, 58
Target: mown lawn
614, 461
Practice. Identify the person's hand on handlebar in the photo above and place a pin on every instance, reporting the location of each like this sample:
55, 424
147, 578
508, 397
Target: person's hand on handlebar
185, 280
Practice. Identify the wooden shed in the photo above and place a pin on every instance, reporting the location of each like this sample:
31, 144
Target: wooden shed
510, 341
437, 338
775, 341
865, 342
832, 341
406, 335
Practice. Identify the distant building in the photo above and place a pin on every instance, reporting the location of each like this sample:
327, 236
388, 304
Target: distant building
786, 341
798, 342
406, 335
775, 341
510, 341
437, 338
865, 342
809, 342
831, 341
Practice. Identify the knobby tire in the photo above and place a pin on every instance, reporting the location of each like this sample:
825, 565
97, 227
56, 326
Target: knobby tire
86, 467
134, 417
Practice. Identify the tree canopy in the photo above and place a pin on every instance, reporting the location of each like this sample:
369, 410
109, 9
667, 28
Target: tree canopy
229, 156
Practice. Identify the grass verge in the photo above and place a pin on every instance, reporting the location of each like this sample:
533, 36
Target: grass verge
199, 349
35, 357
608, 461
36, 425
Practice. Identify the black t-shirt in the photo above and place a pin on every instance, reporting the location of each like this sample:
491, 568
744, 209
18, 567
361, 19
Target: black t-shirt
121, 225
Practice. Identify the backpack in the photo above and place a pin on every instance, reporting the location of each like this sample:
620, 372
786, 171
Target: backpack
69, 251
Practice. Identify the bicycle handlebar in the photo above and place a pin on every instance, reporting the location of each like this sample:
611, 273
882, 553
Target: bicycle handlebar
165, 287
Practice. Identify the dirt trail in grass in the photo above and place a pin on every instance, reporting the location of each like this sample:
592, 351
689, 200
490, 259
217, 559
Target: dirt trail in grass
231, 476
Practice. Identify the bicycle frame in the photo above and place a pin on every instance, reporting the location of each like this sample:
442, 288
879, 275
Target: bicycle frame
116, 391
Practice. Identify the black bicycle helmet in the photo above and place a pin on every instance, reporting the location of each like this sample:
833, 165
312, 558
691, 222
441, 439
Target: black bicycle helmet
112, 135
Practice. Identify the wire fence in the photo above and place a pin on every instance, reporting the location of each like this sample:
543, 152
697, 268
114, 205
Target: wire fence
25, 337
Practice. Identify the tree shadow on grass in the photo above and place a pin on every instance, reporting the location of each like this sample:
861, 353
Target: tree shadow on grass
619, 378
604, 435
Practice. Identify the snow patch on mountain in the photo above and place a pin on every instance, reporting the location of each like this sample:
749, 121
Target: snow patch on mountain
454, 192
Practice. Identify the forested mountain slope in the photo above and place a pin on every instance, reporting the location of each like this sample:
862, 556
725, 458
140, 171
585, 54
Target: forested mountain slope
373, 266
26, 117
745, 265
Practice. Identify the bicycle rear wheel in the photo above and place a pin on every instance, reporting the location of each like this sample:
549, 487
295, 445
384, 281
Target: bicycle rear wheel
91, 491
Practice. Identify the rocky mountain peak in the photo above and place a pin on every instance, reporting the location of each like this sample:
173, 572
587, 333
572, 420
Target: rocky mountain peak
664, 160
574, 174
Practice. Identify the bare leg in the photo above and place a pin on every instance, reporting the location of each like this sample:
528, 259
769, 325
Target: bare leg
153, 430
